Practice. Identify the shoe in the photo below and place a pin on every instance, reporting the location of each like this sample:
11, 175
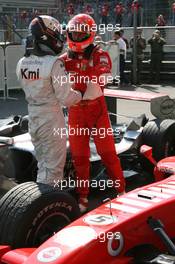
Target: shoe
83, 205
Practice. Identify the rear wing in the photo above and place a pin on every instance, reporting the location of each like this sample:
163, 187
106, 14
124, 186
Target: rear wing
162, 106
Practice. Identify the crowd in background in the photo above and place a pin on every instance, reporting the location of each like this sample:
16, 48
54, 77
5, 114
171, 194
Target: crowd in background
109, 12
156, 42
118, 12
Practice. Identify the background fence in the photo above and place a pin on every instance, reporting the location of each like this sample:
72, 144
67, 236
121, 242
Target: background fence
10, 55
13, 53
2, 70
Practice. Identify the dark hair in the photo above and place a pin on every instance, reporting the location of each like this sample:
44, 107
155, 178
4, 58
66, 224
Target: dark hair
117, 32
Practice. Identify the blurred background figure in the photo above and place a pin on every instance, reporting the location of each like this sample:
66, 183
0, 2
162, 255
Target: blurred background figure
157, 43
119, 10
122, 49
89, 10
125, 39
136, 6
160, 24
24, 17
7, 23
140, 46
104, 13
70, 11
173, 14
160, 21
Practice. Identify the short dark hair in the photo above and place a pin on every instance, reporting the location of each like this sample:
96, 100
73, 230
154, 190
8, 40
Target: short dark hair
117, 32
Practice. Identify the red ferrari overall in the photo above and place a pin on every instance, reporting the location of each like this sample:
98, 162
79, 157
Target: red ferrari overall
92, 113
90, 68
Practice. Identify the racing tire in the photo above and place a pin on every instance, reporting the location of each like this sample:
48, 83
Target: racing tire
24, 124
30, 213
160, 135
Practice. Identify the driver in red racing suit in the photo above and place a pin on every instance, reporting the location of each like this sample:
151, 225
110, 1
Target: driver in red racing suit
90, 68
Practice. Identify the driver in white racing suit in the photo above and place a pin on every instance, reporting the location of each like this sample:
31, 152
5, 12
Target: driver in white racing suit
41, 75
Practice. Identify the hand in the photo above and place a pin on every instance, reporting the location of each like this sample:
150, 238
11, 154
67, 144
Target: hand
80, 87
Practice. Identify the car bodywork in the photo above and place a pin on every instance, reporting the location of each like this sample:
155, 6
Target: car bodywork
114, 232
124, 224
161, 105
17, 156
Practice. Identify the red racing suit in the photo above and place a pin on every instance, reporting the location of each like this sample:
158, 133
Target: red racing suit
90, 115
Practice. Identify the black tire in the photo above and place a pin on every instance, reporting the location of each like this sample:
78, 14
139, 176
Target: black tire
30, 213
160, 135
25, 165
24, 124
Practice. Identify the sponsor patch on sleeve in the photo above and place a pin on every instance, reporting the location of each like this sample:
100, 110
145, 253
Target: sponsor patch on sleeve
104, 59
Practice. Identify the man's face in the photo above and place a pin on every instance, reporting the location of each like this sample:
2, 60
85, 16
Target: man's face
138, 33
116, 36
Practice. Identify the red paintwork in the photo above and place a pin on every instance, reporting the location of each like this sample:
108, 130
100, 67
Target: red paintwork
75, 244
167, 165
164, 168
132, 95
3, 250
17, 256
147, 152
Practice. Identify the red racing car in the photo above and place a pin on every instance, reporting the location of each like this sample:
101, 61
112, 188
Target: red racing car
137, 227
39, 210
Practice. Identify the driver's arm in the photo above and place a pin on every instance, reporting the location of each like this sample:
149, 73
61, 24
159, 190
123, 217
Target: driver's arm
62, 86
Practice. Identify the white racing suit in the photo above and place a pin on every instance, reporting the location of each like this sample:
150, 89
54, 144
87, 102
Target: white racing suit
40, 78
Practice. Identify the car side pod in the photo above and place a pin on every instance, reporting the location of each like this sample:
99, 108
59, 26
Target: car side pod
163, 168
